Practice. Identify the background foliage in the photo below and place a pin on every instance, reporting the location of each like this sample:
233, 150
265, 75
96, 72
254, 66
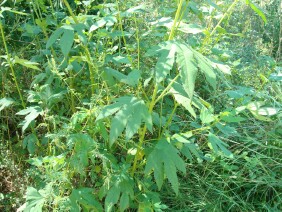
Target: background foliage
140, 105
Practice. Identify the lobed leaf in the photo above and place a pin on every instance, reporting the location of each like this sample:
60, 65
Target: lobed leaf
164, 160
84, 197
129, 114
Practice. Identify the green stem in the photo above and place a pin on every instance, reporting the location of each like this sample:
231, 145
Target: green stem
70, 11
138, 43
11, 66
143, 132
168, 87
14, 76
154, 96
176, 20
207, 39
169, 119
92, 66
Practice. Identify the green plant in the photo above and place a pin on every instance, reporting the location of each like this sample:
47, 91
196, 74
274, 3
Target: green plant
115, 108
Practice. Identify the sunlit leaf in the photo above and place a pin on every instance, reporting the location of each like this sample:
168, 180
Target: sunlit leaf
26, 63
34, 200
188, 148
182, 98
30, 113
257, 9
188, 68
6, 102
206, 116
166, 52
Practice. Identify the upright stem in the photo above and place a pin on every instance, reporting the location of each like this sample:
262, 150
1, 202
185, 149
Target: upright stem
176, 20
154, 100
92, 66
14, 76
70, 11
11, 66
143, 132
207, 39
278, 53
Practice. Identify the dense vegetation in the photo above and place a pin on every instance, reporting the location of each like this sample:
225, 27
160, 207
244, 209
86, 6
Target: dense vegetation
151, 105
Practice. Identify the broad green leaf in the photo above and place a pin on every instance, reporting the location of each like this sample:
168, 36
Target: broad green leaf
6, 102
231, 117
166, 52
124, 202
121, 189
257, 9
108, 20
227, 130
54, 37
29, 142
164, 160
31, 114
112, 198
121, 59
188, 68
100, 23
130, 112
206, 67
260, 117
163, 21
132, 10
218, 145
79, 30
27, 63
119, 123
275, 77
131, 79
206, 116
133, 123
86, 198
190, 28
222, 67
182, 98
34, 200
83, 145
109, 110
187, 147
256, 107
66, 41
